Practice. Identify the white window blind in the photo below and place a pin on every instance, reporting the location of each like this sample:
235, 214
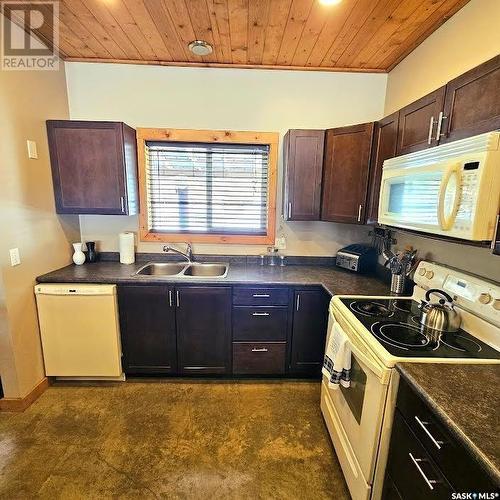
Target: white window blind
207, 188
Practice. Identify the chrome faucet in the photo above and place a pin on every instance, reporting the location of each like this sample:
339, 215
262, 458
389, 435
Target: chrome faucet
188, 254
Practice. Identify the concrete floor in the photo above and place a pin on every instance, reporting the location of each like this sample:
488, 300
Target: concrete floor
171, 439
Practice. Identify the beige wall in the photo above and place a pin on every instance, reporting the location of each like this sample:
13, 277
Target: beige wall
27, 219
469, 38
149, 96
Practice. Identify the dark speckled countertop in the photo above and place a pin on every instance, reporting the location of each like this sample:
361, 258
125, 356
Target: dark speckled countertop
467, 400
334, 280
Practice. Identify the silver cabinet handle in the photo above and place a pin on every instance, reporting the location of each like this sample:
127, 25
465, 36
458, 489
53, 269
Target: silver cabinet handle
440, 124
170, 298
359, 212
431, 437
289, 209
177, 296
261, 295
260, 314
431, 127
122, 203
263, 349
416, 461
297, 303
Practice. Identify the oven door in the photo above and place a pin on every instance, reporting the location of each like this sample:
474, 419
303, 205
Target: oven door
354, 415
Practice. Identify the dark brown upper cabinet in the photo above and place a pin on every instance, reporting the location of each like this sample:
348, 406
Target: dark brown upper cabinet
385, 138
345, 173
303, 167
472, 102
418, 123
94, 167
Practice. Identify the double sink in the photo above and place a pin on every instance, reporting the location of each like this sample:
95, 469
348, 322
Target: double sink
184, 270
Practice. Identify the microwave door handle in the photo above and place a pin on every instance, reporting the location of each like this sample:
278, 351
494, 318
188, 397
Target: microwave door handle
446, 223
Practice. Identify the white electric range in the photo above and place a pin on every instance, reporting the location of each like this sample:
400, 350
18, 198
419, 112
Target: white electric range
383, 331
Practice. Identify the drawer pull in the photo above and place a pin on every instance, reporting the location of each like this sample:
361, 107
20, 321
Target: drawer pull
263, 349
260, 314
431, 437
265, 295
416, 461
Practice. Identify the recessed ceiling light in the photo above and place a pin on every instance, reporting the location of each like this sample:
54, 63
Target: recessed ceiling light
200, 48
329, 2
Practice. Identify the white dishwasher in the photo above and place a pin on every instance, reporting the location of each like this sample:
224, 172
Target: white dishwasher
80, 331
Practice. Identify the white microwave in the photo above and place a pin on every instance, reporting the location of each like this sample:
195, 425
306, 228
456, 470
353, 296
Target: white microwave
451, 190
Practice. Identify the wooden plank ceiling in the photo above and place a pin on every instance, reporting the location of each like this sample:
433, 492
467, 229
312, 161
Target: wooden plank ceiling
354, 35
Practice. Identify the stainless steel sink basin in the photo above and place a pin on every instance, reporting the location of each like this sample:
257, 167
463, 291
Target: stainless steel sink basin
161, 269
201, 269
184, 270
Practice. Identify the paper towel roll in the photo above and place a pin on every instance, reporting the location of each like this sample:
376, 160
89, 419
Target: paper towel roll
127, 254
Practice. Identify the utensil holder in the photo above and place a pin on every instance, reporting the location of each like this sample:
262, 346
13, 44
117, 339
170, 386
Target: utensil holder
398, 282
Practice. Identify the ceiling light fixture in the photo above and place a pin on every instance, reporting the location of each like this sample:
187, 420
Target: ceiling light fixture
329, 2
200, 48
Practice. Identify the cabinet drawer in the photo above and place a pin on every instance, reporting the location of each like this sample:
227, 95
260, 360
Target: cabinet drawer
259, 323
414, 473
259, 358
449, 454
260, 296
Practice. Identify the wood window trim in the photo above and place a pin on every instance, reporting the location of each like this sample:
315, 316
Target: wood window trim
208, 136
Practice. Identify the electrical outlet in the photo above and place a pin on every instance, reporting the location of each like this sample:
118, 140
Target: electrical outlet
32, 151
15, 259
281, 243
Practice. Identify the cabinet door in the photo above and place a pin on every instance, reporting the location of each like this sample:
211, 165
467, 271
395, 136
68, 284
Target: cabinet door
345, 173
203, 329
93, 167
418, 123
147, 324
310, 320
385, 140
414, 473
472, 102
303, 171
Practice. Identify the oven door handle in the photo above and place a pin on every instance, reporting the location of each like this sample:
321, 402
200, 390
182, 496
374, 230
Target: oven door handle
370, 363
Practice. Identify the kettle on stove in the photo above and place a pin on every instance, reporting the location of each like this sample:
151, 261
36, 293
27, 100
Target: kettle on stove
441, 316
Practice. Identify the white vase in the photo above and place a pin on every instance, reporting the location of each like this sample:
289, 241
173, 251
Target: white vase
78, 256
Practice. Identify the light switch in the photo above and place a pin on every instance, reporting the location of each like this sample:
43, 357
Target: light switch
32, 152
15, 259
281, 243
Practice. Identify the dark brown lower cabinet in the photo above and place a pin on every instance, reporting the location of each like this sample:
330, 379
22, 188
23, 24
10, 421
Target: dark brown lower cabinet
425, 459
147, 324
310, 318
414, 473
259, 358
203, 329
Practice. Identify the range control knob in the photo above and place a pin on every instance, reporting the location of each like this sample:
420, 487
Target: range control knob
422, 271
496, 304
485, 298
429, 275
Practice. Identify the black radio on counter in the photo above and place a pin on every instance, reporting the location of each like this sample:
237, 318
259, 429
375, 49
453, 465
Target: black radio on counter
359, 257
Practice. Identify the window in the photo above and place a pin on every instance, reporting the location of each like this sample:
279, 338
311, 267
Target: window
205, 186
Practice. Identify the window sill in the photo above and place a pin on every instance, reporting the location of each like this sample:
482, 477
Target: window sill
241, 239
